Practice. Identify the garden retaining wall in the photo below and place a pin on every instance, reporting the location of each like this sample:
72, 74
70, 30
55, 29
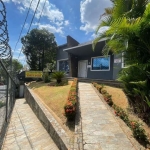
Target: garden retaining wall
56, 132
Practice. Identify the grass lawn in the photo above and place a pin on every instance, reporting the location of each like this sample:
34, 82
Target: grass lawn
54, 97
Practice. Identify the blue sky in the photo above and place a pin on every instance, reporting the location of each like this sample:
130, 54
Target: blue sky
77, 18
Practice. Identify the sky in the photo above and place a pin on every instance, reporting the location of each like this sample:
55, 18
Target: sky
77, 18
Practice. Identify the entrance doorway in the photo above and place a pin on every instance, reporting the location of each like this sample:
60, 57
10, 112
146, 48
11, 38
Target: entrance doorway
82, 68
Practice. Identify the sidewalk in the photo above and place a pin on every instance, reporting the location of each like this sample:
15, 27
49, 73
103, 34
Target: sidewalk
25, 132
100, 129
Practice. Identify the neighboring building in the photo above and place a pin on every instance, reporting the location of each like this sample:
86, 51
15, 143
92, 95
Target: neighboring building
79, 60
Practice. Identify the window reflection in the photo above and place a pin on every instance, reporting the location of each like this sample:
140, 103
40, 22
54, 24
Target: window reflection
101, 63
64, 66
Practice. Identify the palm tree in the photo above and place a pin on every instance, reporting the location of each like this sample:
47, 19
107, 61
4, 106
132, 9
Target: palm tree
129, 32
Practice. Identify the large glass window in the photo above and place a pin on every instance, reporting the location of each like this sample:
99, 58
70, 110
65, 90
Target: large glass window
101, 63
64, 66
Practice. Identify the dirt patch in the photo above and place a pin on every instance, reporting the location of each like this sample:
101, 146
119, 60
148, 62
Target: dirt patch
118, 96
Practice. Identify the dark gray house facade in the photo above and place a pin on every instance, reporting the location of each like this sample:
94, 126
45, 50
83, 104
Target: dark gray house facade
79, 60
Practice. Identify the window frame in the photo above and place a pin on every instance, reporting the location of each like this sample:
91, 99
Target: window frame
59, 61
99, 57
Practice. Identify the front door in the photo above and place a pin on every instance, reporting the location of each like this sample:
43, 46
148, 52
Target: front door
82, 68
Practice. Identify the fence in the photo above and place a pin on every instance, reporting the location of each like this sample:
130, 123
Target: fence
7, 99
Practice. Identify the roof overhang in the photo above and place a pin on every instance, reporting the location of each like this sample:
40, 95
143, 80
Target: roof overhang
86, 49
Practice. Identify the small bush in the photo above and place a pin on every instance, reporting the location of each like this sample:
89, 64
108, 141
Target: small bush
58, 75
70, 106
62, 83
2, 104
46, 77
135, 126
103, 91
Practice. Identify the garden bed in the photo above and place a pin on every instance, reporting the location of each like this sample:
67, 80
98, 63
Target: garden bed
122, 110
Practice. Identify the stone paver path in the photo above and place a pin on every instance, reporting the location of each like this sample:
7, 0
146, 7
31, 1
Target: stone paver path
25, 132
100, 129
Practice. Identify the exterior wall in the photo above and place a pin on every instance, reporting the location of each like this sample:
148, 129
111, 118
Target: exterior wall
71, 41
73, 61
112, 74
106, 75
60, 53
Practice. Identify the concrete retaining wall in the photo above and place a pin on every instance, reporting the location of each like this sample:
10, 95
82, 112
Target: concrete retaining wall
56, 132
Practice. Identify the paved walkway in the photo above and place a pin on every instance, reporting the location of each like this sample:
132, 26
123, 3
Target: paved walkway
25, 131
100, 129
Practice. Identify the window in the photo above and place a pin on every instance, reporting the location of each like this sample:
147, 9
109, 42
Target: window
63, 66
101, 63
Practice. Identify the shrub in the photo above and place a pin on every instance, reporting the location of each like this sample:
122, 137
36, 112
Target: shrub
62, 83
135, 126
46, 77
58, 75
2, 104
70, 106
103, 91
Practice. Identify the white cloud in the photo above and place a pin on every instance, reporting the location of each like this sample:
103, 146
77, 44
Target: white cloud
66, 22
22, 9
51, 28
91, 10
51, 12
6, 1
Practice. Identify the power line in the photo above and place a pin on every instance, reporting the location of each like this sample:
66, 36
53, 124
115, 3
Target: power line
33, 16
37, 25
30, 25
41, 13
23, 24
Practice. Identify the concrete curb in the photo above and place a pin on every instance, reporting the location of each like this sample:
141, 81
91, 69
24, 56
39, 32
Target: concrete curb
78, 139
57, 133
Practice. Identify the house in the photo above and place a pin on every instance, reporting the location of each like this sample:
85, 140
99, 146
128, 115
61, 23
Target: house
79, 60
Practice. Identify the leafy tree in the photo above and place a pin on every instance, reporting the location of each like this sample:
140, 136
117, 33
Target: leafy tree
16, 65
40, 47
129, 32
12, 67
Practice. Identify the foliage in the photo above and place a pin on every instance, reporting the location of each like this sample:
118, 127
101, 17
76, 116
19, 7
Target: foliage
128, 32
50, 67
62, 83
70, 106
106, 95
121, 113
58, 75
2, 104
46, 77
39, 47
135, 126
16, 65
